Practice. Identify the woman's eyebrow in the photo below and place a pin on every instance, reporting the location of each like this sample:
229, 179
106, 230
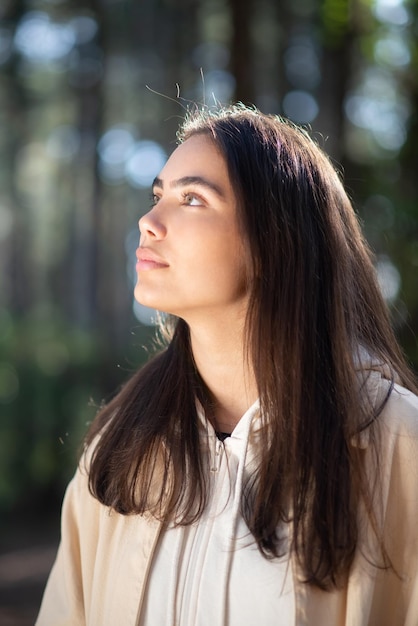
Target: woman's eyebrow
191, 180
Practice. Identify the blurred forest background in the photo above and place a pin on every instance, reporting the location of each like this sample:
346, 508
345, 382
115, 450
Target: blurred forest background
81, 138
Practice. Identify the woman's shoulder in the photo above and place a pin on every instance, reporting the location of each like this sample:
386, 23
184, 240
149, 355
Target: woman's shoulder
394, 407
400, 413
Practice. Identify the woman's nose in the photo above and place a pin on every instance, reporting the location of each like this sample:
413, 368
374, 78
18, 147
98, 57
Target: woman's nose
151, 225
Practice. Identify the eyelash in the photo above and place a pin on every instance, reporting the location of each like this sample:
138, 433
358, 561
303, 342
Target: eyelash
154, 199
194, 196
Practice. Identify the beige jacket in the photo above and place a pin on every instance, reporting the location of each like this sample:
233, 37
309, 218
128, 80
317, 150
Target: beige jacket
103, 561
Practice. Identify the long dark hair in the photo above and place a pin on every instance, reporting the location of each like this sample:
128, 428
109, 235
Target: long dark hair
315, 310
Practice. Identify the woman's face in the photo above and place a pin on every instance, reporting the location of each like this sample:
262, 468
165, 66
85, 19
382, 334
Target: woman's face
192, 259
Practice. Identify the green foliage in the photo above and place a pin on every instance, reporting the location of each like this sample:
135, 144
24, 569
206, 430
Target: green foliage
50, 385
335, 16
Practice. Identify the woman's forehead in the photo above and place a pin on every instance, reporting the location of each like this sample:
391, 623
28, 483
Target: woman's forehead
195, 156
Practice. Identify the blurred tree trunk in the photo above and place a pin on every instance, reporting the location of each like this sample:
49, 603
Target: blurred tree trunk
407, 244
86, 226
163, 37
242, 52
409, 154
337, 26
271, 27
18, 269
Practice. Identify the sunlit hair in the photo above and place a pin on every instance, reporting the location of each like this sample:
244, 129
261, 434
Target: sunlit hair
315, 316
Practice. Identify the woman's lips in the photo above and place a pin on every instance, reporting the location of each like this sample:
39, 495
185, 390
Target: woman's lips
148, 260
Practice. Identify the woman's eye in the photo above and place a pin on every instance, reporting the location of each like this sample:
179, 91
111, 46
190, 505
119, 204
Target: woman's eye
192, 200
153, 199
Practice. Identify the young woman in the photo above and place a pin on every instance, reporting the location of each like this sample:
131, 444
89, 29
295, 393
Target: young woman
263, 467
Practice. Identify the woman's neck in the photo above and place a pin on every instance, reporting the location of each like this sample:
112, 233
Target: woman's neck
221, 362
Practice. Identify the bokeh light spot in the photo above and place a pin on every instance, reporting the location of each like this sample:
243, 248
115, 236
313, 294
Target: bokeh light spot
146, 160
114, 149
41, 40
393, 51
391, 12
300, 106
388, 278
